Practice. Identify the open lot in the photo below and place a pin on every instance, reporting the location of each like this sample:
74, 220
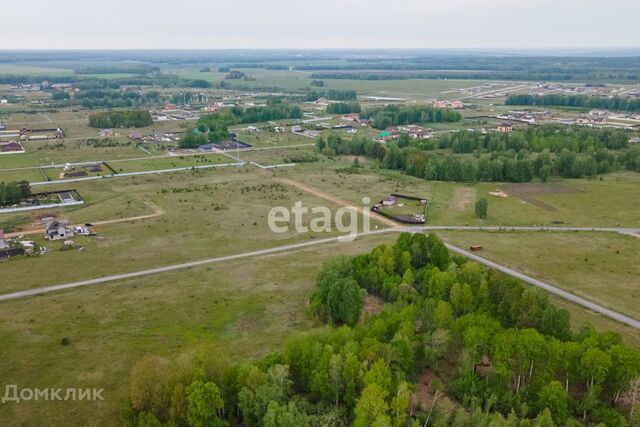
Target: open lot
584, 203
205, 213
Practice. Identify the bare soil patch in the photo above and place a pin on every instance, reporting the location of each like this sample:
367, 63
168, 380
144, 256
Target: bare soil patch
462, 198
527, 193
372, 306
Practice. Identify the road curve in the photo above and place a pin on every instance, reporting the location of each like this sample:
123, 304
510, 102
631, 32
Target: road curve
297, 246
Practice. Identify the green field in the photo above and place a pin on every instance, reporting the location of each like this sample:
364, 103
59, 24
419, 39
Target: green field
574, 202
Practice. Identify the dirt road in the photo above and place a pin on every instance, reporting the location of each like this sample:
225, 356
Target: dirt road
338, 201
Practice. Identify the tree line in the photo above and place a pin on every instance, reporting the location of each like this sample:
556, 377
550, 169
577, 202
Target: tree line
504, 353
397, 115
576, 101
120, 119
538, 152
343, 108
106, 98
333, 94
215, 127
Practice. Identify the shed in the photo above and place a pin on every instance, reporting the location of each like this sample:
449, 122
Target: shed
389, 201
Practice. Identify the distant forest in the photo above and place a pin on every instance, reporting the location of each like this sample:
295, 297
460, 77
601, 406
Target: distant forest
614, 65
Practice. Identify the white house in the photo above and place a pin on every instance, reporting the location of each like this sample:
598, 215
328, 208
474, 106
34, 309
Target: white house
56, 230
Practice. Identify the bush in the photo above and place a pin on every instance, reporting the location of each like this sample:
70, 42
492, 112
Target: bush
482, 207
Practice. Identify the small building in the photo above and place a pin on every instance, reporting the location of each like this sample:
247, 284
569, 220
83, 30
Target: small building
389, 201
3, 244
105, 133
136, 136
2, 126
297, 128
457, 105
635, 140
57, 230
384, 136
58, 134
476, 248
505, 127
252, 129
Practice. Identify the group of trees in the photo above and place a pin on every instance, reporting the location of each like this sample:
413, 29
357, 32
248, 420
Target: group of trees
578, 101
631, 158
12, 193
343, 108
215, 127
109, 98
120, 119
235, 75
333, 94
397, 115
508, 356
274, 110
118, 69
538, 152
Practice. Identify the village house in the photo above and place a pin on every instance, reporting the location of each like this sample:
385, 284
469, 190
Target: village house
352, 117
296, 128
457, 105
505, 127
322, 102
105, 133
635, 140
57, 230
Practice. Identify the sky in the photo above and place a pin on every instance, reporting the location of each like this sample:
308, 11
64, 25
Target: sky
317, 24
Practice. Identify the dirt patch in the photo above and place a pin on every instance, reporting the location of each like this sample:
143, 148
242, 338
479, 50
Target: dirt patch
372, 306
424, 394
462, 198
527, 193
